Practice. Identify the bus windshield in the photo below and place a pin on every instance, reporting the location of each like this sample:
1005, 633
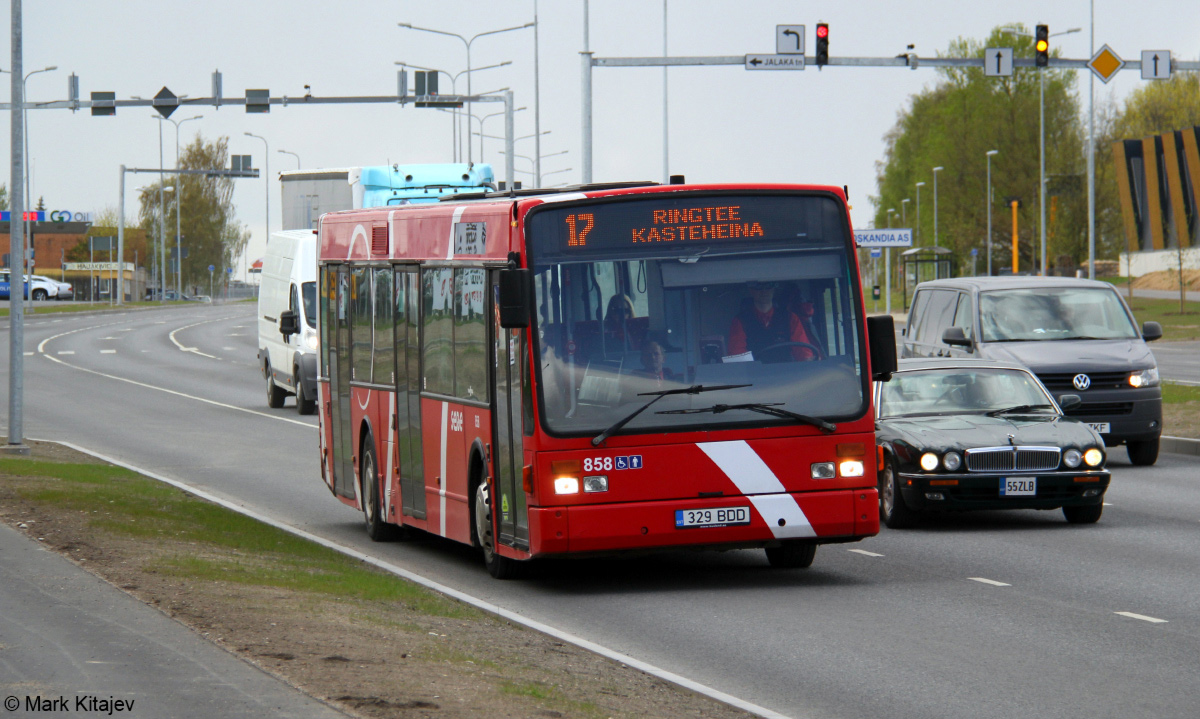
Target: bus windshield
649, 294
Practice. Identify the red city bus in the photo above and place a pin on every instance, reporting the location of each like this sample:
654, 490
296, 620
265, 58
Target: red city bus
607, 368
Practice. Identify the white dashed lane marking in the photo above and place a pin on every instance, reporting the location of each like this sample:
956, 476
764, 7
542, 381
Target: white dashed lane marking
66, 352
864, 552
108, 352
1143, 617
992, 582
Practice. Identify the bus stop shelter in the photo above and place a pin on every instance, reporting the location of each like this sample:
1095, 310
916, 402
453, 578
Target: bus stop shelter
924, 263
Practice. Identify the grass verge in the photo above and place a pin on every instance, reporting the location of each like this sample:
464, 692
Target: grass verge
368, 641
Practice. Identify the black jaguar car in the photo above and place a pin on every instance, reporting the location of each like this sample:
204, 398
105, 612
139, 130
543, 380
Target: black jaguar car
961, 434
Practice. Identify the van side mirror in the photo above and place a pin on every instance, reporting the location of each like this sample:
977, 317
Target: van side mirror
881, 339
515, 306
954, 336
288, 325
1151, 331
1069, 401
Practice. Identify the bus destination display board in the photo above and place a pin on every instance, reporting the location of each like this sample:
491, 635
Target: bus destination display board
678, 222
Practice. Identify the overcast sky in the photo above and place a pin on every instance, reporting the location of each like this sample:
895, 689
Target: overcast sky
726, 124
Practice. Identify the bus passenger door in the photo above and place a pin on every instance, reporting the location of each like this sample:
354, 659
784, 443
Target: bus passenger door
509, 507
339, 371
408, 395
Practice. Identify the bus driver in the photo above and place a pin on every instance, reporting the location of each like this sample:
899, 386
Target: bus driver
767, 330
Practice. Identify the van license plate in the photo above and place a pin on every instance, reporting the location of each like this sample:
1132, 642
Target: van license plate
713, 517
1018, 486
1101, 427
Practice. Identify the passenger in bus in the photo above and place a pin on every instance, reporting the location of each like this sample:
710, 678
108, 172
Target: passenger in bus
616, 322
654, 375
768, 331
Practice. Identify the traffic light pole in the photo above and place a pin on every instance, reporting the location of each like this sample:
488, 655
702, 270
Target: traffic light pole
907, 60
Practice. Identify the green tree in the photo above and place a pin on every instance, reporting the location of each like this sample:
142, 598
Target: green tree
3, 197
107, 222
954, 124
211, 233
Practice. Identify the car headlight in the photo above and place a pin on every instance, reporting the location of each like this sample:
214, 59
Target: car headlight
311, 340
1072, 458
1144, 378
929, 461
1094, 457
952, 461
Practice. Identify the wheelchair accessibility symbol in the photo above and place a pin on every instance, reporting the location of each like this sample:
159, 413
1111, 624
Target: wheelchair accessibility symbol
629, 462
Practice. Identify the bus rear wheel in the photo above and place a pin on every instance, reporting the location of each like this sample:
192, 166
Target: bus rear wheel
792, 555
497, 566
377, 529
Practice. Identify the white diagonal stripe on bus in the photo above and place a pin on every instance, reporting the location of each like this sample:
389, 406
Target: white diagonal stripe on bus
458, 211
442, 475
778, 509
743, 466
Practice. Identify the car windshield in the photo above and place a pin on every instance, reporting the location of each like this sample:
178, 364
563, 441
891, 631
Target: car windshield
1054, 313
308, 292
958, 390
653, 294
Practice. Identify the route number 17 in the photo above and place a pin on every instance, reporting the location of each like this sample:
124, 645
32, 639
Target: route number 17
578, 227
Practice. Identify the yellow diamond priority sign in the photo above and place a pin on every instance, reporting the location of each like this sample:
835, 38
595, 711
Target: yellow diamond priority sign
1105, 63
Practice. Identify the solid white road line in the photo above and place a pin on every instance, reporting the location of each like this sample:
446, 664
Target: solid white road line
66, 352
108, 352
864, 552
992, 582
454, 593
42, 349
1143, 617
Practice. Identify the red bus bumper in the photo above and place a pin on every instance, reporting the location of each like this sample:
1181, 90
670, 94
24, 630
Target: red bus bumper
834, 516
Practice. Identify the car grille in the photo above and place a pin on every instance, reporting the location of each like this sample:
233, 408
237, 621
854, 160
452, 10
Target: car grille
1065, 382
1012, 459
1101, 409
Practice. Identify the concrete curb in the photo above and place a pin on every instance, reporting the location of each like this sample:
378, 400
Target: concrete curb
1180, 445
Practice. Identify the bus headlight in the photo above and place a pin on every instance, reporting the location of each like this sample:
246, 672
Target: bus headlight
566, 485
851, 468
1144, 378
1072, 458
596, 483
822, 470
929, 461
1093, 457
952, 461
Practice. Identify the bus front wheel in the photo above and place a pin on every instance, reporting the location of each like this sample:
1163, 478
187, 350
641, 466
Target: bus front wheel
377, 529
792, 555
497, 566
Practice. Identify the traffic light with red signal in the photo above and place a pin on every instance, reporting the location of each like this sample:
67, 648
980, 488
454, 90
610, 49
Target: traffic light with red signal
822, 44
1041, 45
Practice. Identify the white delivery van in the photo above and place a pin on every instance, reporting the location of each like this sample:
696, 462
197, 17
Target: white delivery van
287, 319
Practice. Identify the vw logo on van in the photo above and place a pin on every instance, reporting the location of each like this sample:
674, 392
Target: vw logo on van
1082, 381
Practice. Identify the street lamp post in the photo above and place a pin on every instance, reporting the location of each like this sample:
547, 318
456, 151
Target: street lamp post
990, 155
919, 186
25, 125
481, 121
267, 173
466, 43
178, 205
285, 152
1041, 138
936, 170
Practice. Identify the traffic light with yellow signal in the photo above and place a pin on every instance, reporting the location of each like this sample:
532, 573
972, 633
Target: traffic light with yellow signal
1041, 45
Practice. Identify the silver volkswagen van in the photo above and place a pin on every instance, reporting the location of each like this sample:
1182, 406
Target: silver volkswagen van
1078, 336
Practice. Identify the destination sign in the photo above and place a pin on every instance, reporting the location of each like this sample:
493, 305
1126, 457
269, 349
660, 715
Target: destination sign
674, 221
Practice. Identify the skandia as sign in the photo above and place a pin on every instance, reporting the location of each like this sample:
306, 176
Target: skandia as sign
51, 216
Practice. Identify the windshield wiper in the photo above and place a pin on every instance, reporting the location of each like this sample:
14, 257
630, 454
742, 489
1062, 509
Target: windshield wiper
694, 389
761, 408
1018, 408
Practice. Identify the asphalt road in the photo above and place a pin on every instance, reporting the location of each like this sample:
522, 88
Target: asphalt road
993, 614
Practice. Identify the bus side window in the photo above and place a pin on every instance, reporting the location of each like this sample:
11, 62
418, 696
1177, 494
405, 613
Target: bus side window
361, 331
470, 335
437, 343
384, 353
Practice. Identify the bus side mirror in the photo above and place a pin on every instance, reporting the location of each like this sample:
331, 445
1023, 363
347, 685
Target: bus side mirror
881, 339
514, 299
288, 325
